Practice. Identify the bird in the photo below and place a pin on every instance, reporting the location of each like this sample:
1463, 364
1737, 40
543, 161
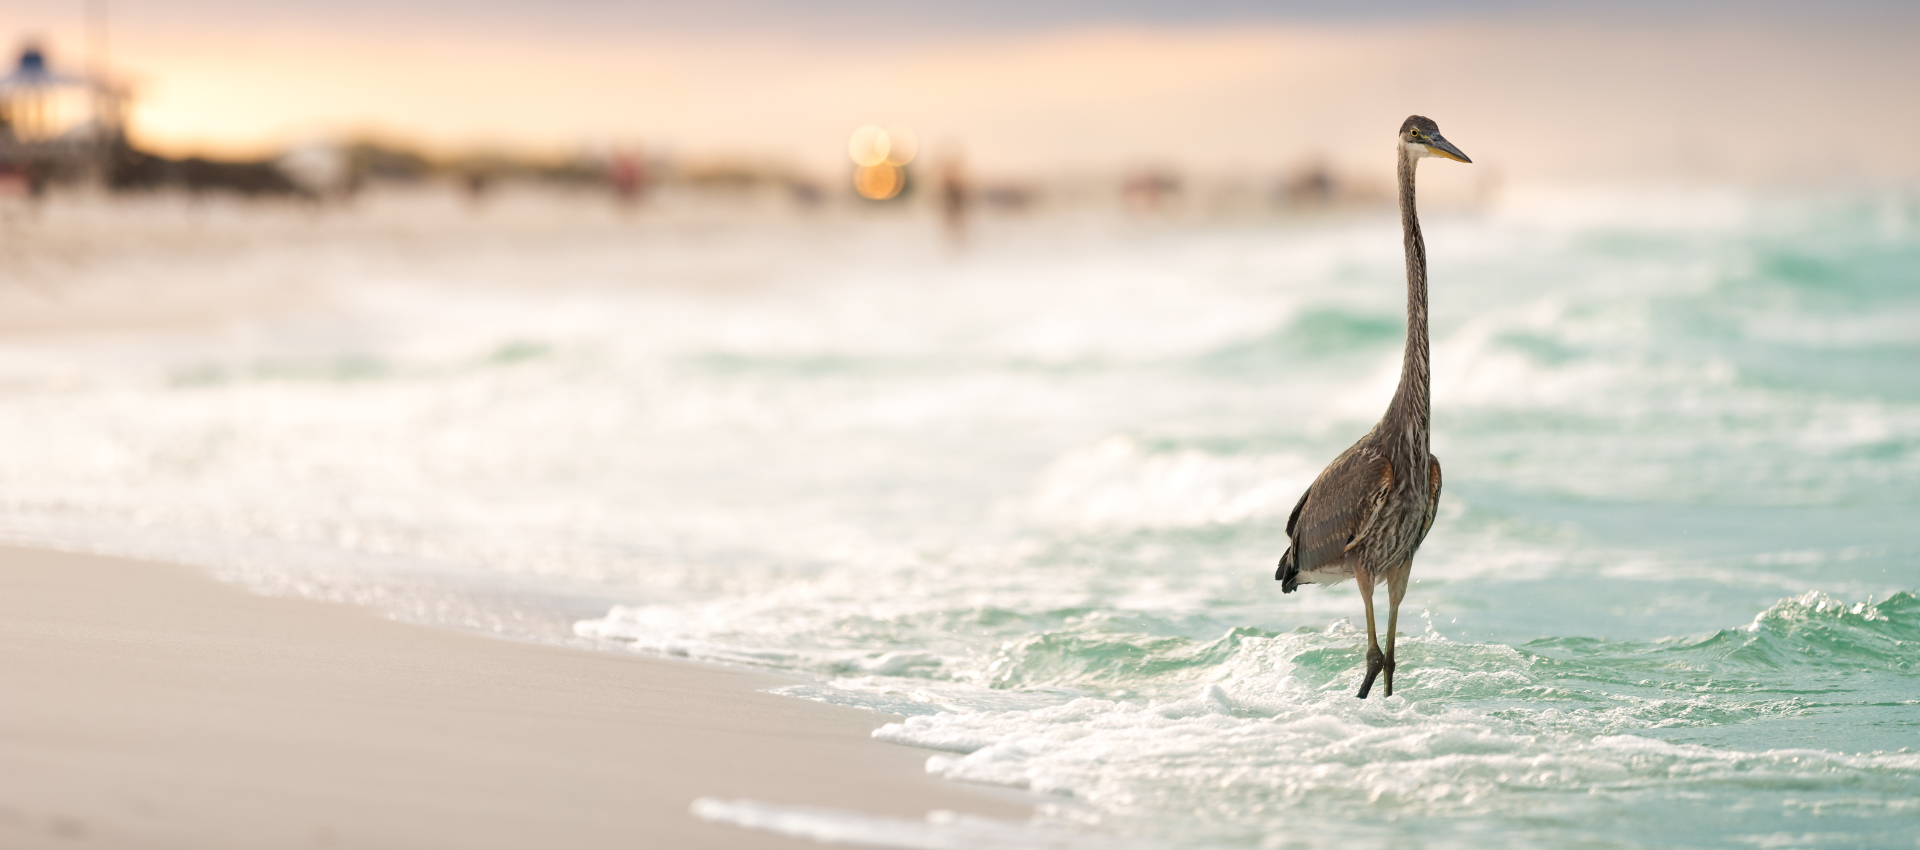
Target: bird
1367, 513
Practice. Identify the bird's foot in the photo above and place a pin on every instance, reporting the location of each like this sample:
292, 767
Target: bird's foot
1376, 661
1386, 676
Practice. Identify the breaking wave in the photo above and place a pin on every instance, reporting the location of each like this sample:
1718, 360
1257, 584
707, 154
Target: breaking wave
1520, 746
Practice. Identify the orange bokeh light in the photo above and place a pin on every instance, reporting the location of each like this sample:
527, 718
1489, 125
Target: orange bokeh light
878, 182
881, 153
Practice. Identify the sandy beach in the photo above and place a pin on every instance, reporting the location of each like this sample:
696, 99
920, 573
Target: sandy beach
146, 705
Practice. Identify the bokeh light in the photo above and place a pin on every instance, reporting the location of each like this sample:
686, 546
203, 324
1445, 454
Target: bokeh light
879, 182
869, 146
882, 154
902, 145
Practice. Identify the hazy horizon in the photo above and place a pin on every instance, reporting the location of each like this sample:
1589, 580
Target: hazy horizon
1562, 91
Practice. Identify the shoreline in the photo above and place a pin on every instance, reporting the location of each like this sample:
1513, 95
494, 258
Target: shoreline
146, 704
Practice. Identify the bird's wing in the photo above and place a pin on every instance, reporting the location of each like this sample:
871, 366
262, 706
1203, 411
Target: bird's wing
1433, 495
1340, 506
1293, 519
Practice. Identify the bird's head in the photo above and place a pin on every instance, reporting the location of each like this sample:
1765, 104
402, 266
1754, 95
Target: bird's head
1421, 137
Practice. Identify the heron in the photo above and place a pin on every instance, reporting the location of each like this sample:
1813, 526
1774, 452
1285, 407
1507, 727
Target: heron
1367, 513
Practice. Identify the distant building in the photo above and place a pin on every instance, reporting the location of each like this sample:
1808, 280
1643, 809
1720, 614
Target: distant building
56, 124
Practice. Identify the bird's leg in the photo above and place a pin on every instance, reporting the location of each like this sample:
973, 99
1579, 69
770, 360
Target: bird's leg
1396, 590
1375, 659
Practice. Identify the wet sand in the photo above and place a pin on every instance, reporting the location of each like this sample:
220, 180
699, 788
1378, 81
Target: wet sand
146, 705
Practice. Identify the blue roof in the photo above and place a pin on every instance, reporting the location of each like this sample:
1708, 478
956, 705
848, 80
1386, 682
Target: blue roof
33, 63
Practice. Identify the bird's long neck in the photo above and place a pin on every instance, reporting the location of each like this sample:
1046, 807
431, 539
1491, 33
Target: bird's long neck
1407, 416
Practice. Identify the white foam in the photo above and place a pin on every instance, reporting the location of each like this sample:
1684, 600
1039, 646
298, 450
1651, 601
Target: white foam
1262, 732
1116, 482
942, 830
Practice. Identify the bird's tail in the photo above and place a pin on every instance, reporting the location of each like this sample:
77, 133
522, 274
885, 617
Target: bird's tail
1288, 575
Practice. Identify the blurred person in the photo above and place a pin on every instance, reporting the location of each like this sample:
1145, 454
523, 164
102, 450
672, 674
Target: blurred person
1145, 190
955, 196
806, 194
477, 186
1312, 185
627, 175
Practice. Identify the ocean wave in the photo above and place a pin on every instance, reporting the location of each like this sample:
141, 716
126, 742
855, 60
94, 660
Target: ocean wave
1265, 734
1809, 632
1328, 759
1121, 482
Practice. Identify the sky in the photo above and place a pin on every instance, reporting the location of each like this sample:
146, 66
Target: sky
1549, 90
831, 17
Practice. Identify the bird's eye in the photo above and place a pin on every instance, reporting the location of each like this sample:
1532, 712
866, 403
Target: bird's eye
1416, 134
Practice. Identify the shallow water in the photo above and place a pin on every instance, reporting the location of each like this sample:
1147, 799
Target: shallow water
1030, 495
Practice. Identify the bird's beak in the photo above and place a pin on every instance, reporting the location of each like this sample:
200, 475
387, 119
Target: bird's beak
1439, 146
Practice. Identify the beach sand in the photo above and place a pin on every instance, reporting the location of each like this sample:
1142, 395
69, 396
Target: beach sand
147, 705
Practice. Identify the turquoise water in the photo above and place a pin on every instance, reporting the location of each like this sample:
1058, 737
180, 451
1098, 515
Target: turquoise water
1030, 496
